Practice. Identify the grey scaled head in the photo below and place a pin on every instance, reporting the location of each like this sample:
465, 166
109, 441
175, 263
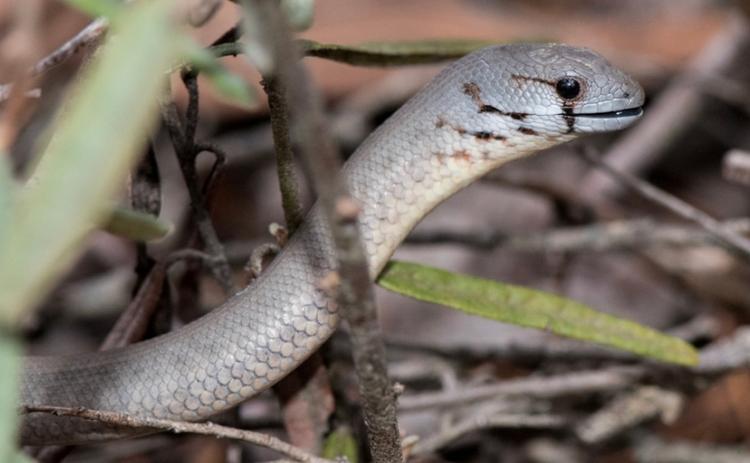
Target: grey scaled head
557, 89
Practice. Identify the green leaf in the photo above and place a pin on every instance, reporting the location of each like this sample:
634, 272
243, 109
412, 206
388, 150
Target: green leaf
7, 191
231, 87
95, 8
135, 225
10, 365
534, 309
341, 443
393, 53
96, 139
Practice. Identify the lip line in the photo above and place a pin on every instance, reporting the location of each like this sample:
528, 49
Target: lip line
627, 112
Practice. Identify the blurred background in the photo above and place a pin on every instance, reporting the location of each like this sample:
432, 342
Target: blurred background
690, 56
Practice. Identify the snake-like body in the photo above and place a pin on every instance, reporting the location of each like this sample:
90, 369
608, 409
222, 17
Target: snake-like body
492, 106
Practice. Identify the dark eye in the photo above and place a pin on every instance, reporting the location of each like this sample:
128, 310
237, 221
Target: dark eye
568, 88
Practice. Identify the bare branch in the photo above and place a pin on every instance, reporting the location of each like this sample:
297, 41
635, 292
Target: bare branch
186, 149
179, 427
672, 112
288, 182
581, 382
477, 423
736, 166
607, 236
628, 410
653, 450
674, 204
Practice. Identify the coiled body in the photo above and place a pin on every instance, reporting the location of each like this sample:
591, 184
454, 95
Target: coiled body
470, 119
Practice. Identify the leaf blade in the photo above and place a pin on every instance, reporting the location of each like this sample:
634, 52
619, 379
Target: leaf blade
136, 225
532, 309
393, 53
97, 138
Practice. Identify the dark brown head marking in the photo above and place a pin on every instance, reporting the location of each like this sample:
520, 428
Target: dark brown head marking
473, 90
485, 108
569, 118
527, 131
486, 136
519, 78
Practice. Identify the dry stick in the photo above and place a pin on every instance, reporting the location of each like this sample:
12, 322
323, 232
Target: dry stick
629, 410
653, 450
132, 324
186, 151
674, 204
87, 36
736, 166
671, 113
716, 359
608, 236
355, 295
581, 382
220, 160
94, 31
510, 421
179, 427
284, 157
144, 189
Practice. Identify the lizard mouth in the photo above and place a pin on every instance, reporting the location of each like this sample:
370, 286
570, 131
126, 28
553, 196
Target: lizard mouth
629, 112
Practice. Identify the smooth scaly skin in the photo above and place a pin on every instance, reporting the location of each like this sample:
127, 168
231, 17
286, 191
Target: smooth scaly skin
492, 106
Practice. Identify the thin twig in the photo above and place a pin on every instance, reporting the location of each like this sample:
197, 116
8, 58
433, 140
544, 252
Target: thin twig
288, 183
257, 261
477, 423
183, 140
673, 111
88, 36
179, 427
652, 450
132, 323
726, 354
629, 410
608, 236
674, 204
189, 254
582, 382
214, 174
355, 295
736, 166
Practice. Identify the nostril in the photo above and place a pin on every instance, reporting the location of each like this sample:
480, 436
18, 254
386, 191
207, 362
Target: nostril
627, 95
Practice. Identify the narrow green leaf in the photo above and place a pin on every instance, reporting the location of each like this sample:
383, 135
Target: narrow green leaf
135, 225
534, 309
96, 139
10, 364
231, 87
7, 191
393, 53
95, 8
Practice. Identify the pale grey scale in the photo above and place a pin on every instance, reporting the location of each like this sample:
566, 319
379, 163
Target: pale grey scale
265, 331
